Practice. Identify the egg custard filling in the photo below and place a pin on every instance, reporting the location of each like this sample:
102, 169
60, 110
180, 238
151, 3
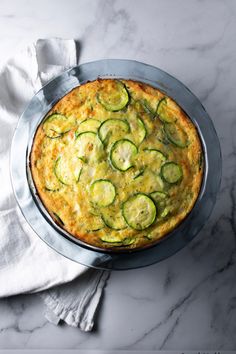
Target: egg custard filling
117, 164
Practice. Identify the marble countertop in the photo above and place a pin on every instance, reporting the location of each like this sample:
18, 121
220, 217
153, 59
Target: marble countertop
189, 300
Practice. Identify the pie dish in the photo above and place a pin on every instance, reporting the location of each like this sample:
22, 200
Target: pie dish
117, 164
34, 210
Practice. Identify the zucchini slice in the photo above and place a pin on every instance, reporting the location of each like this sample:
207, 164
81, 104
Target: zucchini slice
111, 238
122, 154
58, 219
171, 172
57, 124
166, 110
154, 158
138, 173
113, 97
148, 237
164, 212
88, 125
95, 224
68, 169
139, 211
160, 198
145, 107
157, 196
89, 147
148, 182
113, 218
138, 130
176, 135
148, 108
113, 128
141, 131
128, 241
52, 184
161, 136
102, 192
117, 241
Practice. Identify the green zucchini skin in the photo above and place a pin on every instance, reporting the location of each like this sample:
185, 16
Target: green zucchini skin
107, 103
138, 130
160, 199
163, 113
149, 109
156, 150
155, 158
128, 241
84, 141
144, 106
159, 154
139, 173
55, 186
117, 241
65, 174
143, 129
178, 137
52, 128
115, 159
113, 218
111, 224
51, 189
158, 195
110, 239
159, 107
58, 218
55, 170
103, 192
109, 126
172, 172
86, 125
131, 204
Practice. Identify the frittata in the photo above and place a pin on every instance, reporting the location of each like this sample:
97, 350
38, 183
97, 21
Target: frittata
117, 164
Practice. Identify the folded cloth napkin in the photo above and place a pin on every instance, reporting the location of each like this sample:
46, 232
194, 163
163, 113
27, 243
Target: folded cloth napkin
27, 264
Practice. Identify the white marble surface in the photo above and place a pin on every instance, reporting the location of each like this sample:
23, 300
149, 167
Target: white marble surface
189, 300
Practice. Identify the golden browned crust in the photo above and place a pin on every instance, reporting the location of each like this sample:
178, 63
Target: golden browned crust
71, 203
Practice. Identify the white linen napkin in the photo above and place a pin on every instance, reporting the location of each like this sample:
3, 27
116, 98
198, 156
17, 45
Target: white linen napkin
27, 264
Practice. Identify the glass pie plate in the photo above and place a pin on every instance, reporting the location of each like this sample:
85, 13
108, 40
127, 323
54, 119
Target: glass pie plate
38, 217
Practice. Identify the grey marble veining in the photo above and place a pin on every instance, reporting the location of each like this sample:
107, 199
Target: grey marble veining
189, 300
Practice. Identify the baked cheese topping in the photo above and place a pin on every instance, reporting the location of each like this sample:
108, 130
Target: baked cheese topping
117, 164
